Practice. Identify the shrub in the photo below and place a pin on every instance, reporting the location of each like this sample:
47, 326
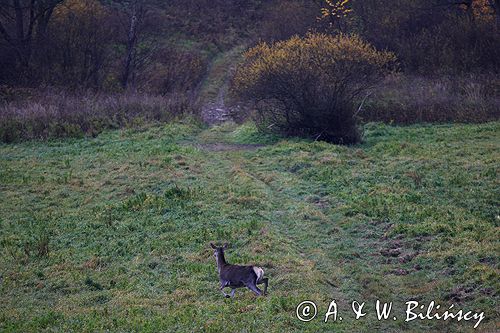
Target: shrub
52, 115
308, 86
406, 99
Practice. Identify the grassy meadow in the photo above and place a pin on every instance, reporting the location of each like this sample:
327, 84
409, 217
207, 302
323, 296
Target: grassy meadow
112, 233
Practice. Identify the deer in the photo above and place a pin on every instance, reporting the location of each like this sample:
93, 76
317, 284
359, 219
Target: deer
236, 276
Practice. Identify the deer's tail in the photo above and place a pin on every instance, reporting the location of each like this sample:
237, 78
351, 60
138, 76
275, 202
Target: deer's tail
259, 272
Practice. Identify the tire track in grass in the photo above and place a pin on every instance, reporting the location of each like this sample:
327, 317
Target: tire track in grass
288, 231
285, 216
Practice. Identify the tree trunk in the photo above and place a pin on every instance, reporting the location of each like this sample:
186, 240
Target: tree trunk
131, 44
22, 42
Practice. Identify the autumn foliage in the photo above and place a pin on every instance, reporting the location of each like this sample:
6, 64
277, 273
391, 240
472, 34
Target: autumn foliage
310, 86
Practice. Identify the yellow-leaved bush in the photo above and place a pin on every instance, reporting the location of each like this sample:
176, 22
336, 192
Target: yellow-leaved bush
310, 86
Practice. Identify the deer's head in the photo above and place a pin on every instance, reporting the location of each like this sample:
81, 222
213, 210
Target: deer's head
219, 251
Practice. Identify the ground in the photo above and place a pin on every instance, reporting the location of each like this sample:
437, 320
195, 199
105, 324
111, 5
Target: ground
112, 233
213, 95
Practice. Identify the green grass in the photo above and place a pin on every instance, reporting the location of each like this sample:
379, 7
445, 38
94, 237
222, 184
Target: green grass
112, 233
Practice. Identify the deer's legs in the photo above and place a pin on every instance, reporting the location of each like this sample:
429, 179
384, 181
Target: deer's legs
223, 285
228, 295
264, 281
254, 288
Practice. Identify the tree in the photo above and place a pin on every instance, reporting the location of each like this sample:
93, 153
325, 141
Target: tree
81, 38
335, 12
134, 14
24, 21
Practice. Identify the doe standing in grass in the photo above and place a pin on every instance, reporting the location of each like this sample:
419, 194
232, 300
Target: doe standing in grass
236, 276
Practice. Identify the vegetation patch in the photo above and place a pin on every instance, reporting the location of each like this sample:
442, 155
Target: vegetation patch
55, 115
308, 86
113, 232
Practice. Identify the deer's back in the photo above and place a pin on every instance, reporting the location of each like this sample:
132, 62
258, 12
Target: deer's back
237, 274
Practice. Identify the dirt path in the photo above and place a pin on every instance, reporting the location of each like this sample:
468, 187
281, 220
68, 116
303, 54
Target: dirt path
216, 112
222, 146
213, 93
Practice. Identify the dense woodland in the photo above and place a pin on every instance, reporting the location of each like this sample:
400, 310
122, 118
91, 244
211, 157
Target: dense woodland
166, 48
116, 44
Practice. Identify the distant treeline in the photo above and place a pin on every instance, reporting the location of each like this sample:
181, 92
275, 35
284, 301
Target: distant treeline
157, 46
165, 46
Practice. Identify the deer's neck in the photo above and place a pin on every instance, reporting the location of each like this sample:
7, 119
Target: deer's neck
221, 262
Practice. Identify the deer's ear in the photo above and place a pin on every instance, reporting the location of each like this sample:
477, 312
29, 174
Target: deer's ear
225, 245
213, 246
